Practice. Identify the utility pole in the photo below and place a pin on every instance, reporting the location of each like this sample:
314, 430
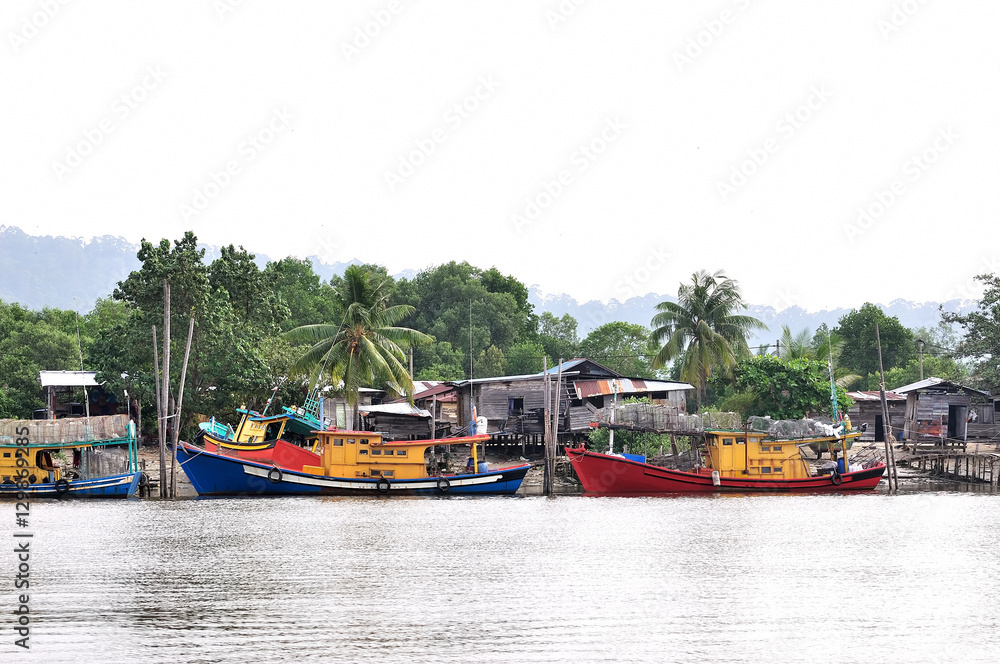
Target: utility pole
546, 430
920, 342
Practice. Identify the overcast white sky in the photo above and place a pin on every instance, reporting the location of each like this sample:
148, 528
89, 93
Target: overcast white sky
626, 123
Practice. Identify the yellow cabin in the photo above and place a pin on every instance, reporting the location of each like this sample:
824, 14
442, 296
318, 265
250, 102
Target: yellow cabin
365, 454
754, 455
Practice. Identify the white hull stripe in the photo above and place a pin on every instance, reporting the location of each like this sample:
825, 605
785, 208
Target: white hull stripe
400, 485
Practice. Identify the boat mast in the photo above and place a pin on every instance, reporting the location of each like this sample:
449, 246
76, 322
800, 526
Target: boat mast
833, 385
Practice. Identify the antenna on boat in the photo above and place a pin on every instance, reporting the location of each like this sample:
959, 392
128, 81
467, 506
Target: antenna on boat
273, 392
833, 385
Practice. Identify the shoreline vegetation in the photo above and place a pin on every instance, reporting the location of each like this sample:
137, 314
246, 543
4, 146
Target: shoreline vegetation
282, 325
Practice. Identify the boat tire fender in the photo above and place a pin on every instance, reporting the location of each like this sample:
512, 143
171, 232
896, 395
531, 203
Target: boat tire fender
382, 486
443, 485
274, 475
835, 477
62, 486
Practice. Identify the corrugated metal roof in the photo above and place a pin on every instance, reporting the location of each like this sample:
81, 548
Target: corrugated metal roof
593, 388
933, 381
873, 395
67, 378
402, 408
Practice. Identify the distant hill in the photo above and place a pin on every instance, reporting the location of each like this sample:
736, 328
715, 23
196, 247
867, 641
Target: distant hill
641, 310
71, 273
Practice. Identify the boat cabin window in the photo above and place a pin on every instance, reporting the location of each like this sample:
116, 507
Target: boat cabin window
376, 452
6, 454
338, 442
363, 452
400, 452
740, 441
389, 452
776, 448
387, 473
754, 439
765, 448
765, 470
727, 441
363, 441
350, 441
777, 469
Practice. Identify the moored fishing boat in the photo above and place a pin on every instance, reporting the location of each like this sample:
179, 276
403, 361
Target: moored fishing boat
257, 433
28, 466
342, 463
735, 461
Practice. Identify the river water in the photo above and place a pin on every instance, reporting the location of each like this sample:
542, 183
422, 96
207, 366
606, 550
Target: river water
856, 578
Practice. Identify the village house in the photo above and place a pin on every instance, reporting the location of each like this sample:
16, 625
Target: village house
940, 412
514, 405
866, 413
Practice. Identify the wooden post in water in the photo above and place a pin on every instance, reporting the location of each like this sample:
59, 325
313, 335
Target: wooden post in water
165, 390
890, 456
159, 409
177, 420
546, 429
550, 453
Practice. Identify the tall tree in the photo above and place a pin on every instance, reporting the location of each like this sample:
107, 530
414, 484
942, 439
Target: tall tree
501, 315
558, 336
624, 347
366, 349
981, 341
703, 328
860, 350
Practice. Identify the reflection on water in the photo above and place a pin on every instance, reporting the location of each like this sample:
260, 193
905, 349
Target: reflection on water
856, 578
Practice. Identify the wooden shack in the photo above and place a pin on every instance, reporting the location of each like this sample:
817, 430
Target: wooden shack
867, 410
514, 405
938, 411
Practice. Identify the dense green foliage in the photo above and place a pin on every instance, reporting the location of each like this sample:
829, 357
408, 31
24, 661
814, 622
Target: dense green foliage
623, 347
786, 389
860, 350
981, 342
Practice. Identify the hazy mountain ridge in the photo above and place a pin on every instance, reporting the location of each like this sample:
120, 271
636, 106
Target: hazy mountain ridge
71, 273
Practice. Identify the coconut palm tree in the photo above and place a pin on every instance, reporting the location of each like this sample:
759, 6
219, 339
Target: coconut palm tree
794, 346
703, 329
366, 349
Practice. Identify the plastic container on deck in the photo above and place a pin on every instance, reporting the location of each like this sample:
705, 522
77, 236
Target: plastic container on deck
483, 467
840, 465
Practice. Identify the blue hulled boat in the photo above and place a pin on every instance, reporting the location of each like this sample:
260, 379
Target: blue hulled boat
345, 463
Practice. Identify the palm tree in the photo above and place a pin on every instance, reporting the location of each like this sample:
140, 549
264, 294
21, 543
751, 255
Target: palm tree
794, 346
702, 329
366, 349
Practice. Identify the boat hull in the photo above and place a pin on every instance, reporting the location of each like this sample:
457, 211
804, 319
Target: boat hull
215, 475
612, 475
113, 486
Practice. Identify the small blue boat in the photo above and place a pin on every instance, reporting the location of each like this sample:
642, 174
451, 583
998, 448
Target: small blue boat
114, 486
